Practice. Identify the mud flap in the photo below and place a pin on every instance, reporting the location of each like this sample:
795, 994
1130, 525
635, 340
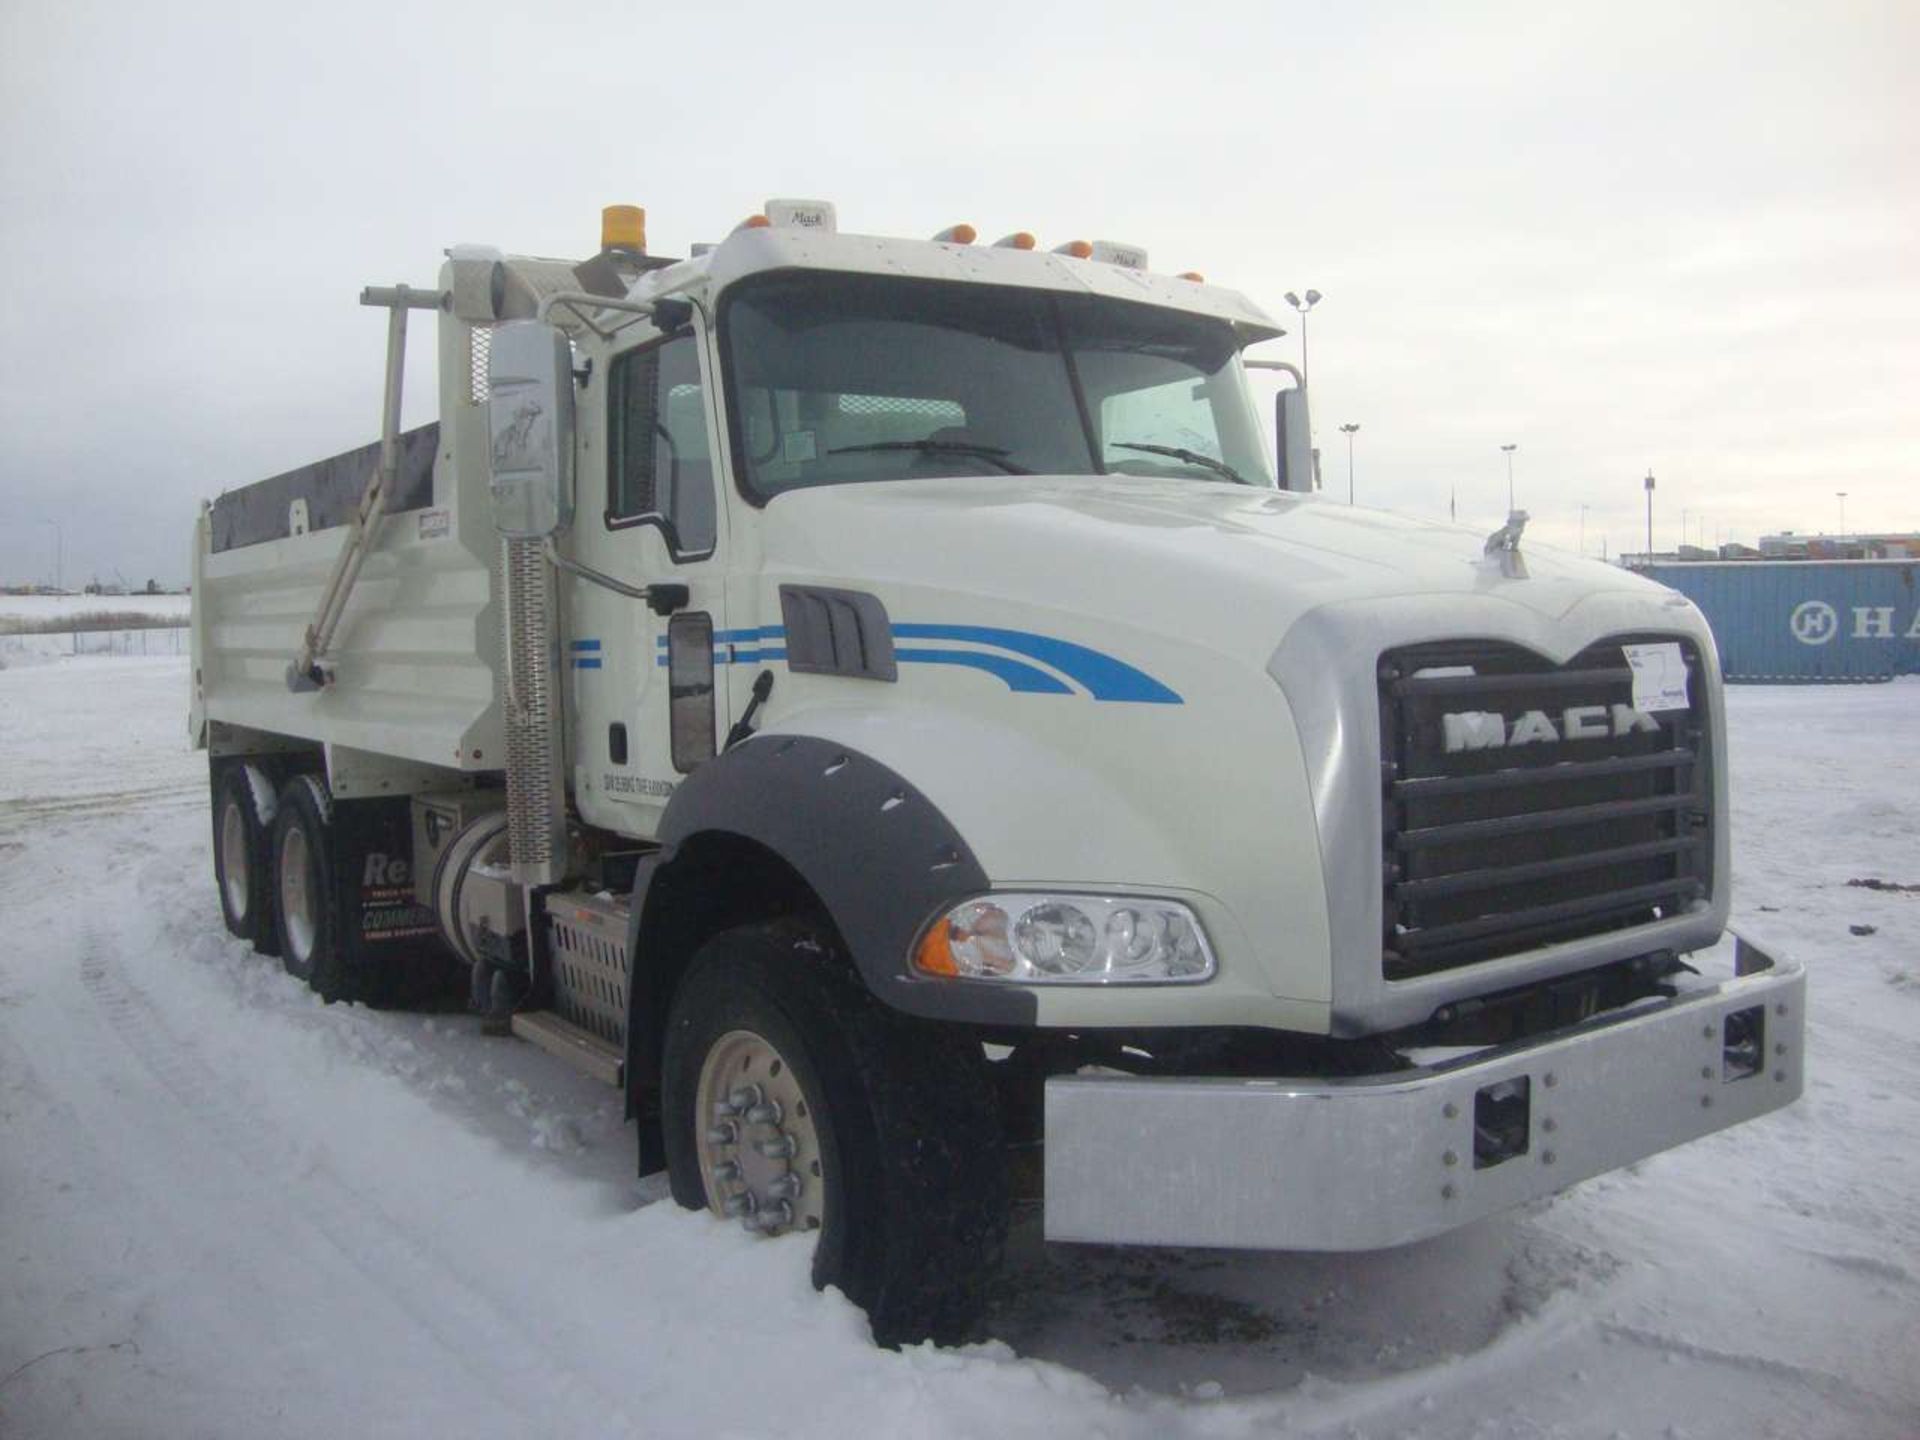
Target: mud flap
389, 948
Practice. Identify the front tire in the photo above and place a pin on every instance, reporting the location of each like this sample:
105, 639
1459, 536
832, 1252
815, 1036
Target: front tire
793, 1099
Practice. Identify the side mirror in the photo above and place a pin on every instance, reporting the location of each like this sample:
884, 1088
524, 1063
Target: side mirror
530, 421
1293, 440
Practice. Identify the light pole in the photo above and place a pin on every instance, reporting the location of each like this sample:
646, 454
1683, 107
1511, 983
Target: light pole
1303, 306
1349, 431
1583, 532
1649, 484
1843, 512
1509, 449
1683, 527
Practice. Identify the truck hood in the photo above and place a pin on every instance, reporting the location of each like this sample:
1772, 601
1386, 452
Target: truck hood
1216, 564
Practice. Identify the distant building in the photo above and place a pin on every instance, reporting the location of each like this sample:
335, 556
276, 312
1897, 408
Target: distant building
1789, 546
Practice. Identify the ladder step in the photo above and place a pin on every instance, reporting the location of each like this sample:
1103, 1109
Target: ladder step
581, 1049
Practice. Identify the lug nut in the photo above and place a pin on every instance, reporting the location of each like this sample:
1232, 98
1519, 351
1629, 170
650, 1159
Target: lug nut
765, 1222
775, 1217
726, 1172
725, 1133
744, 1204
787, 1187
782, 1148
769, 1113
744, 1098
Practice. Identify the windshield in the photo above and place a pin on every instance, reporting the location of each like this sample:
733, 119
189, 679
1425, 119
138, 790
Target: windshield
842, 378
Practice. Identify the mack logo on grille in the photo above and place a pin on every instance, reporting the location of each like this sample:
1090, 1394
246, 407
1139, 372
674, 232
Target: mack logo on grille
1488, 729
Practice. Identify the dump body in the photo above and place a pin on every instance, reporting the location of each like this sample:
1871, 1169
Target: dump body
419, 644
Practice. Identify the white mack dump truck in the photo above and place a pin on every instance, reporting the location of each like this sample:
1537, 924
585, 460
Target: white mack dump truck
878, 702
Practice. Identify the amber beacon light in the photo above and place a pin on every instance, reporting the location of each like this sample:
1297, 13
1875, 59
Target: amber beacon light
623, 227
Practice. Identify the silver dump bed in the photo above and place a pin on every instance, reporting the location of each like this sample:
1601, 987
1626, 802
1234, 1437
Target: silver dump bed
416, 655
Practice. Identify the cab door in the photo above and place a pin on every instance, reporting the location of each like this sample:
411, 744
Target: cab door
647, 696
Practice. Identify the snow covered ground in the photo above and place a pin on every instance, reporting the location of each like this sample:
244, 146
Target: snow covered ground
226, 1210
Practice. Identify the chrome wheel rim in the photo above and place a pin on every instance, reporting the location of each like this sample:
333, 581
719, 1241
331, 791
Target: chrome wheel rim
296, 894
235, 857
759, 1144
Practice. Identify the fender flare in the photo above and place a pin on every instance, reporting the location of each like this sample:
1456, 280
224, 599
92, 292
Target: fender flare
880, 856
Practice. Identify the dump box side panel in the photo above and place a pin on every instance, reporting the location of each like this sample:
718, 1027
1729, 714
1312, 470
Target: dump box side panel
323, 494
417, 652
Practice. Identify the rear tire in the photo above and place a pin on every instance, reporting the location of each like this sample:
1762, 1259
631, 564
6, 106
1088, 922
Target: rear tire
897, 1151
243, 860
303, 882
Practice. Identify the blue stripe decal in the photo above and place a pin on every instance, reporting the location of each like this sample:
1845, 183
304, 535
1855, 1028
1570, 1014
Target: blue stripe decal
1019, 675
584, 645
1105, 677
733, 655
587, 664
736, 637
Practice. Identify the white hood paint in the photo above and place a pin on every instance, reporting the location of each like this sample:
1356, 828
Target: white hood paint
1224, 565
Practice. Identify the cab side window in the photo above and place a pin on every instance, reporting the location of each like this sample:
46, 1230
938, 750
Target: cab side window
661, 466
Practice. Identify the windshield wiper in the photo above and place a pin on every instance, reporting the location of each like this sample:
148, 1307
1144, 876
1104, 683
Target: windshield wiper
992, 454
1192, 457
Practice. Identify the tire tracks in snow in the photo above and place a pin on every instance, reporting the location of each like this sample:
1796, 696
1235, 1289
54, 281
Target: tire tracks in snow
475, 1330
1836, 1390
23, 811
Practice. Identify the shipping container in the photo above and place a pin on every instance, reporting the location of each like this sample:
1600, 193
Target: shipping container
1807, 621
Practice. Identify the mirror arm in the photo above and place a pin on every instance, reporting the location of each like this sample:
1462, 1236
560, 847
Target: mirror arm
581, 306
1281, 365
661, 599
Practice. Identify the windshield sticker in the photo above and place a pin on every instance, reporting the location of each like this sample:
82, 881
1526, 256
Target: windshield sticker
798, 446
1659, 677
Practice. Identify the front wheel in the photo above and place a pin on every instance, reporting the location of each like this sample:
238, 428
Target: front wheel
794, 1100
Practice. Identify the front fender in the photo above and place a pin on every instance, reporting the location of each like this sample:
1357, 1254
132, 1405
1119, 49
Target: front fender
880, 856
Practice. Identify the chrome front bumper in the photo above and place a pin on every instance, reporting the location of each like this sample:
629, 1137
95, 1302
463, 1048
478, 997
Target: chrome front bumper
1365, 1164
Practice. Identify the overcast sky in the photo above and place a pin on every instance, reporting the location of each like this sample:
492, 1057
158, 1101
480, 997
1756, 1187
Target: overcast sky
1682, 237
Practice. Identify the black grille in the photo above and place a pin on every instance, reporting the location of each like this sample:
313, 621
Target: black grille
1571, 814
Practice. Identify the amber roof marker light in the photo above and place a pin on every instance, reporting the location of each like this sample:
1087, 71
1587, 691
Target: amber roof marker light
623, 227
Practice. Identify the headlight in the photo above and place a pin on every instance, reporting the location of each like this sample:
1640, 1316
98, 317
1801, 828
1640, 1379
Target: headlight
1067, 940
